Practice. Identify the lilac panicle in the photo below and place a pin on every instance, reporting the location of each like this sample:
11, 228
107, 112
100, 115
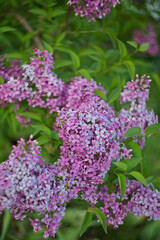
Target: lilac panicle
91, 136
149, 37
136, 93
30, 185
92, 9
35, 83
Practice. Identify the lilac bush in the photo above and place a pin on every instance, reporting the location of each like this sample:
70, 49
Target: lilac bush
91, 144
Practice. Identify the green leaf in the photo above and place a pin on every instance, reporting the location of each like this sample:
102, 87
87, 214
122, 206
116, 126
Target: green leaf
116, 93
154, 128
61, 63
122, 48
43, 128
58, 12
74, 56
85, 73
6, 220
60, 37
122, 183
139, 177
112, 35
121, 165
100, 94
6, 29
101, 217
143, 47
133, 44
38, 11
86, 221
48, 47
134, 131
31, 115
132, 162
54, 135
131, 68
42, 140
1, 80
135, 148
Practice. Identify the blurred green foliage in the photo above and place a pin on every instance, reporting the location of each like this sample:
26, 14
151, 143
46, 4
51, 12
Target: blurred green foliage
101, 50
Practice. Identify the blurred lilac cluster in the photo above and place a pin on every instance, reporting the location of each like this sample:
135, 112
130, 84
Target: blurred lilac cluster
92, 9
148, 37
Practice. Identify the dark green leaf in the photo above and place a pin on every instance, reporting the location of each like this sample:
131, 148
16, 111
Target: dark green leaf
112, 35
42, 140
122, 183
6, 220
6, 29
86, 221
116, 93
101, 217
43, 128
31, 115
48, 47
132, 162
85, 73
122, 49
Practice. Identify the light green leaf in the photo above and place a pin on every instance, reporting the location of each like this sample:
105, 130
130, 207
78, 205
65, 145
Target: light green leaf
133, 44
1, 80
135, 148
31, 115
85, 73
43, 128
132, 132
42, 140
131, 68
74, 56
48, 47
38, 11
154, 128
121, 165
122, 183
58, 12
139, 177
61, 63
100, 94
132, 162
6, 29
116, 93
122, 48
6, 220
112, 35
86, 221
101, 217
143, 47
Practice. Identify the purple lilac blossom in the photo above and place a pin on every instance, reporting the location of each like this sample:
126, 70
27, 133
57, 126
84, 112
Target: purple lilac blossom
136, 93
37, 84
92, 138
30, 185
149, 37
92, 9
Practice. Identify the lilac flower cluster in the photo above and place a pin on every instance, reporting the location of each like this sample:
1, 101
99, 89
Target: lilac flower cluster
91, 135
149, 37
35, 82
92, 9
136, 93
30, 185
138, 200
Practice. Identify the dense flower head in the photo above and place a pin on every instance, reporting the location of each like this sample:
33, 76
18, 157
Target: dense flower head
92, 9
37, 84
149, 37
136, 93
141, 200
30, 185
91, 136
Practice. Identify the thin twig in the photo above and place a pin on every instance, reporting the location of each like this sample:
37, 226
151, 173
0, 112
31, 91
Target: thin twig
28, 27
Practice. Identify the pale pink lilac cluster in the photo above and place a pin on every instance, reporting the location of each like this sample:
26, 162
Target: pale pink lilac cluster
36, 83
92, 9
150, 37
28, 184
91, 136
136, 93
